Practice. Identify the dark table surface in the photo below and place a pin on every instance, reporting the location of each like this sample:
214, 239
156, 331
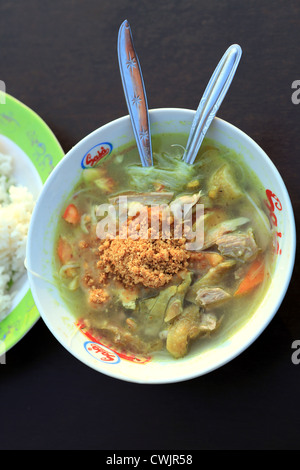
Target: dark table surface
59, 58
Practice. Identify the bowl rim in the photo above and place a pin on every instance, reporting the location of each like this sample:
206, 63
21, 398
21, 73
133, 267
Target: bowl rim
279, 298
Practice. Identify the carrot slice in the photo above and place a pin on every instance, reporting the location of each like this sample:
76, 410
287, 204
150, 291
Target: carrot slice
253, 278
71, 214
64, 251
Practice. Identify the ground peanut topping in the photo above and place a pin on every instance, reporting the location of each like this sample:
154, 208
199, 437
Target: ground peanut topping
149, 262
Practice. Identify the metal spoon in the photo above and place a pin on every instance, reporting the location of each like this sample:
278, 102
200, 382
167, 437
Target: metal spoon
211, 100
135, 94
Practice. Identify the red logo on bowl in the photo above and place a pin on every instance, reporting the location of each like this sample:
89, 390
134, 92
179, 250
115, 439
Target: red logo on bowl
93, 156
94, 349
272, 204
101, 353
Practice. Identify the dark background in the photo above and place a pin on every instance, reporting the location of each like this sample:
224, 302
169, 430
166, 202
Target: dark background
59, 58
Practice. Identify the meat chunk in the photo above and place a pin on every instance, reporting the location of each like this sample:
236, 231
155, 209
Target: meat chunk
188, 326
241, 246
178, 205
213, 233
211, 296
210, 279
216, 273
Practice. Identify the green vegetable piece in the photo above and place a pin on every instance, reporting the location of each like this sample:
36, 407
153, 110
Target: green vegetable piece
175, 305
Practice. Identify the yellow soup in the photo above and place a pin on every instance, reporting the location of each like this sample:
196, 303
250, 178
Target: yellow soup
153, 259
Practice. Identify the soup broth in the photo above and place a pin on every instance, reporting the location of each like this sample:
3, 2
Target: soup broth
140, 288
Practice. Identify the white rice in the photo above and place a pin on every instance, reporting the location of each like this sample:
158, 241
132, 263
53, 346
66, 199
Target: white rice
16, 206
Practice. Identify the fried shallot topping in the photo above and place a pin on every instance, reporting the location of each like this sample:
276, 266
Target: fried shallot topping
151, 263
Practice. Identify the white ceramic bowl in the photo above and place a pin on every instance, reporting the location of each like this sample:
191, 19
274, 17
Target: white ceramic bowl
160, 368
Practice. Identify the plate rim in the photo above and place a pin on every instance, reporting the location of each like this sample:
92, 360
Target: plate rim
11, 337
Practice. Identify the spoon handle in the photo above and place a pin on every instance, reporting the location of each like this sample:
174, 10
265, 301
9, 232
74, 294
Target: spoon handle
135, 94
211, 100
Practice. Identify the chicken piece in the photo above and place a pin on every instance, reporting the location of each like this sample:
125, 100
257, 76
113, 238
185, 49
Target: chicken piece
214, 233
241, 246
208, 297
216, 273
222, 186
178, 206
187, 199
209, 323
210, 279
188, 326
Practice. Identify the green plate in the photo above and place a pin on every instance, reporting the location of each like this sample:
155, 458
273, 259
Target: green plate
24, 128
